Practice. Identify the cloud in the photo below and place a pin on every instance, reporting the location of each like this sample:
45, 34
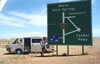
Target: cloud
21, 19
24, 34
18, 19
2, 3
37, 20
11, 21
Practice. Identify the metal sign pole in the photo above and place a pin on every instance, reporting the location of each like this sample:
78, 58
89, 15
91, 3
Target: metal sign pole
57, 50
68, 50
82, 49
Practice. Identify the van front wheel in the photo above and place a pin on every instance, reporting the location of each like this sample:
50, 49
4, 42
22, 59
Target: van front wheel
18, 51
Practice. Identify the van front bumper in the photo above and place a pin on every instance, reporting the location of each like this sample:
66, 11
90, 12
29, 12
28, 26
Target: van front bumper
8, 48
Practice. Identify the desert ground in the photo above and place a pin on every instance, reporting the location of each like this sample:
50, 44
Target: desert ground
92, 55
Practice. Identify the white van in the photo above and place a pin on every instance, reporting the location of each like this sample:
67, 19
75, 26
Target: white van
27, 45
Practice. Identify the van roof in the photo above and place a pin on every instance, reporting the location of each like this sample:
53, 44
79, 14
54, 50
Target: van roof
34, 37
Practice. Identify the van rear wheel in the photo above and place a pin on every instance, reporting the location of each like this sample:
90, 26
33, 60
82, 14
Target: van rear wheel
18, 51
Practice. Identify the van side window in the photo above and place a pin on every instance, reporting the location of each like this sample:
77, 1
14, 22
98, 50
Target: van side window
36, 40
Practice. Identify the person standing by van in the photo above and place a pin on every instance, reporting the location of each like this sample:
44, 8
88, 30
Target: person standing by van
43, 44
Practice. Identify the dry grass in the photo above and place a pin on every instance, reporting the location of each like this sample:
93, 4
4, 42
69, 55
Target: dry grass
92, 56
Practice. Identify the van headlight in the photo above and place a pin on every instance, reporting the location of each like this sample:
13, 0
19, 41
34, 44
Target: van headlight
7, 46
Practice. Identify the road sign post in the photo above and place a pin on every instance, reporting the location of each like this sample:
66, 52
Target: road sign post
57, 50
82, 49
68, 50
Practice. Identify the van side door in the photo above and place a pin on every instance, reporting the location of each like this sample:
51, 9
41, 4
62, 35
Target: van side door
35, 45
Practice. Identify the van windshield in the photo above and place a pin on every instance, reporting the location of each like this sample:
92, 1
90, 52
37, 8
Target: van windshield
15, 41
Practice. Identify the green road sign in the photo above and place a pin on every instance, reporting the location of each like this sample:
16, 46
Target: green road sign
69, 23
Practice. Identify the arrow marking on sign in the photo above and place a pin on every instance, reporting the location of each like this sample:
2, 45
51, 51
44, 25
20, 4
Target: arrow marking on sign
63, 30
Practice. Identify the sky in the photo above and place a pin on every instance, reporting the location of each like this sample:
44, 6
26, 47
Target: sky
27, 18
